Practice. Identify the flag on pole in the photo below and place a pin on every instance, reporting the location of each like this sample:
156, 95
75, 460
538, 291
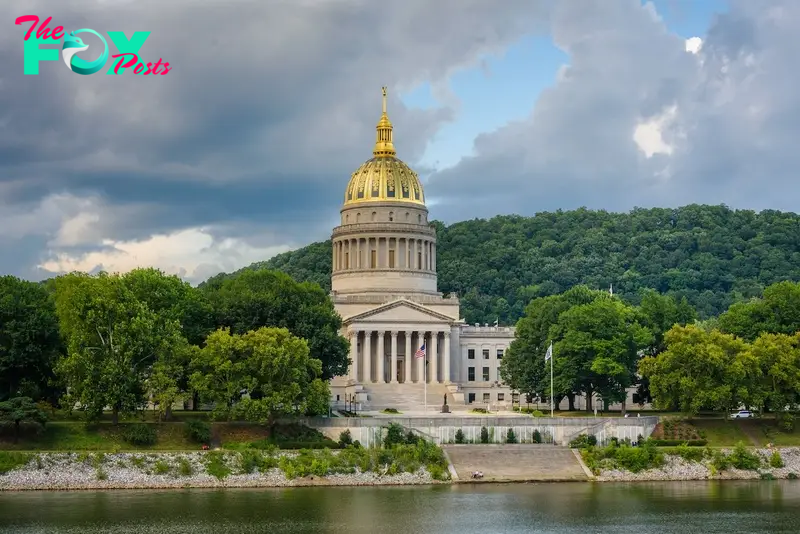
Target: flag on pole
420, 352
549, 353
611, 289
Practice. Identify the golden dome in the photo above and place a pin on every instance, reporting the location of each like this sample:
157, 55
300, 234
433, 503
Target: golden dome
384, 177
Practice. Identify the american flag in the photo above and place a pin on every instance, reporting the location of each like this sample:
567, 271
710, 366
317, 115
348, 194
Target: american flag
420, 352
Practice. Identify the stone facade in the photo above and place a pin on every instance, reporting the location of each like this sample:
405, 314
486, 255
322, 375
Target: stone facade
383, 284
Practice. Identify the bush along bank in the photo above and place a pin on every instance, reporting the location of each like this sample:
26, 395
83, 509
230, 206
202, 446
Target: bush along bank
401, 462
623, 461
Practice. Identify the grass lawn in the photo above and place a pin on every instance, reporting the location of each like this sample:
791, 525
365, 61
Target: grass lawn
772, 434
173, 436
721, 433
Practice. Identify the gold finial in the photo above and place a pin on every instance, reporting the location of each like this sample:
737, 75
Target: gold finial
383, 142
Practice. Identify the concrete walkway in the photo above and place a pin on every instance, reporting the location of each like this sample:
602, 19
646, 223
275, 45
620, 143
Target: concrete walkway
519, 462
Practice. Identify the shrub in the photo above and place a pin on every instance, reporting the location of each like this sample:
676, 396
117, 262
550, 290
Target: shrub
185, 468
510, 436
690, 454
786, 422
484, 435
391, 411
459, 436
140, 434
345, 438
161, 468
583, 441
101, 474
767, 476
537, 436
216, 465
792, 476
537, 413
678, 442
719, 461
741, 458
198, 431
394, 436
775, 460
479, 410
11, 460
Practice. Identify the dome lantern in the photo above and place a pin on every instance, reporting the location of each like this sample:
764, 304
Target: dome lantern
384, 178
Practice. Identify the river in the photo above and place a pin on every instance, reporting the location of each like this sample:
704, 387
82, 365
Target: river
666, 507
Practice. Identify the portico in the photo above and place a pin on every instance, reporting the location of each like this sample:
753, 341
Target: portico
384, 356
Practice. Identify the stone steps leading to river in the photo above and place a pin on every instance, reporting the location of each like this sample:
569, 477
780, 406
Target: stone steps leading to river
404, 397
515, 462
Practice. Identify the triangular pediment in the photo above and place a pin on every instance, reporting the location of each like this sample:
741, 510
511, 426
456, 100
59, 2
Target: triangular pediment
400, 310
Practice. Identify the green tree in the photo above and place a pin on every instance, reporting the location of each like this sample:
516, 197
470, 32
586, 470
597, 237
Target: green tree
254, 299
599, 346
21, 410
778, 312
259, 376
703, 370
113, 340
779, 358
29, 339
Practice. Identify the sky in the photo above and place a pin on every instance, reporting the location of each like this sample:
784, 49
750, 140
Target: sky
243, 149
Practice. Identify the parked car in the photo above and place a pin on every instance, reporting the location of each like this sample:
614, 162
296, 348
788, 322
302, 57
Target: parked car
742, 414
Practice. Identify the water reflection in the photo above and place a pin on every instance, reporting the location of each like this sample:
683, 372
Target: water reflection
679, 507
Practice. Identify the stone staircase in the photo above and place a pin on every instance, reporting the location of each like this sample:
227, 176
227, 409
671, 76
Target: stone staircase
517, 462
405, 397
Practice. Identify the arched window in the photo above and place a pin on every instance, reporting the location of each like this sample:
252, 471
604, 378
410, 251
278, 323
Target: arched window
419, 218
391, 216
347, 218
358, 217
374, 215
408, 215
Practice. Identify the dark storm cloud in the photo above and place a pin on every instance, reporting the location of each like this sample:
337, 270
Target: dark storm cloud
269, 106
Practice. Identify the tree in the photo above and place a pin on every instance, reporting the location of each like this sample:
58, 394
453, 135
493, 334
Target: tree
523, 367
703, 370
29, 339
113, 341
778, 356
713, 256
659, 313
255, 299
599, 346
259, 375
21, 410
778, 313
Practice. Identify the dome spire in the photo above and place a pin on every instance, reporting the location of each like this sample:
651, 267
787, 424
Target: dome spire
383, 141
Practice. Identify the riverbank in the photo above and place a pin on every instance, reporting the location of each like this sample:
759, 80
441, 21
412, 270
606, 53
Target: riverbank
214, 469
707, 467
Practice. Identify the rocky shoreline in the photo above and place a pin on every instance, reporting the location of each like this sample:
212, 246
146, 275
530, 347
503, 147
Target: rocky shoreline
71, 471
676, 468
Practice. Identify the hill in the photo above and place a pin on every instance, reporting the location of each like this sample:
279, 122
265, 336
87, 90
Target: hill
712, 255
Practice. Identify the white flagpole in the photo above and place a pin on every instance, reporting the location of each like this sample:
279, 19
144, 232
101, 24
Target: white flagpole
425, 381
552, 401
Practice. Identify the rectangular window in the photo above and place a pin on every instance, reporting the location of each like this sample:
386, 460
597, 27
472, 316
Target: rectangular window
485, 354
391, 259
337, 398
485, 374
515, 397
346, 260
501, 397
471, 354
471, 374
486, 397
499, 354
373, 259
470, 398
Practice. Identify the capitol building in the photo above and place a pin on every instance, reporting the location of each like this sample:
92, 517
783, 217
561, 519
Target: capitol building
383, 285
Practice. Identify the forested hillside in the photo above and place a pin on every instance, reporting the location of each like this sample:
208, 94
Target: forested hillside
712, 255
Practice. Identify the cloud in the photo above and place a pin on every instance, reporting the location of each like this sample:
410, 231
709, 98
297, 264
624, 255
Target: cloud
268, 108
634, 119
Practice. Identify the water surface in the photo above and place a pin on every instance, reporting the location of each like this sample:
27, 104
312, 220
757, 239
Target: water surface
672, 507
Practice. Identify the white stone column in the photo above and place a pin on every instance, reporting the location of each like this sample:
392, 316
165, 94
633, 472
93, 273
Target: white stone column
393, 377
354, 355
381, 357
433, 368
368, 356
409, 356
420, 361
447, 357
